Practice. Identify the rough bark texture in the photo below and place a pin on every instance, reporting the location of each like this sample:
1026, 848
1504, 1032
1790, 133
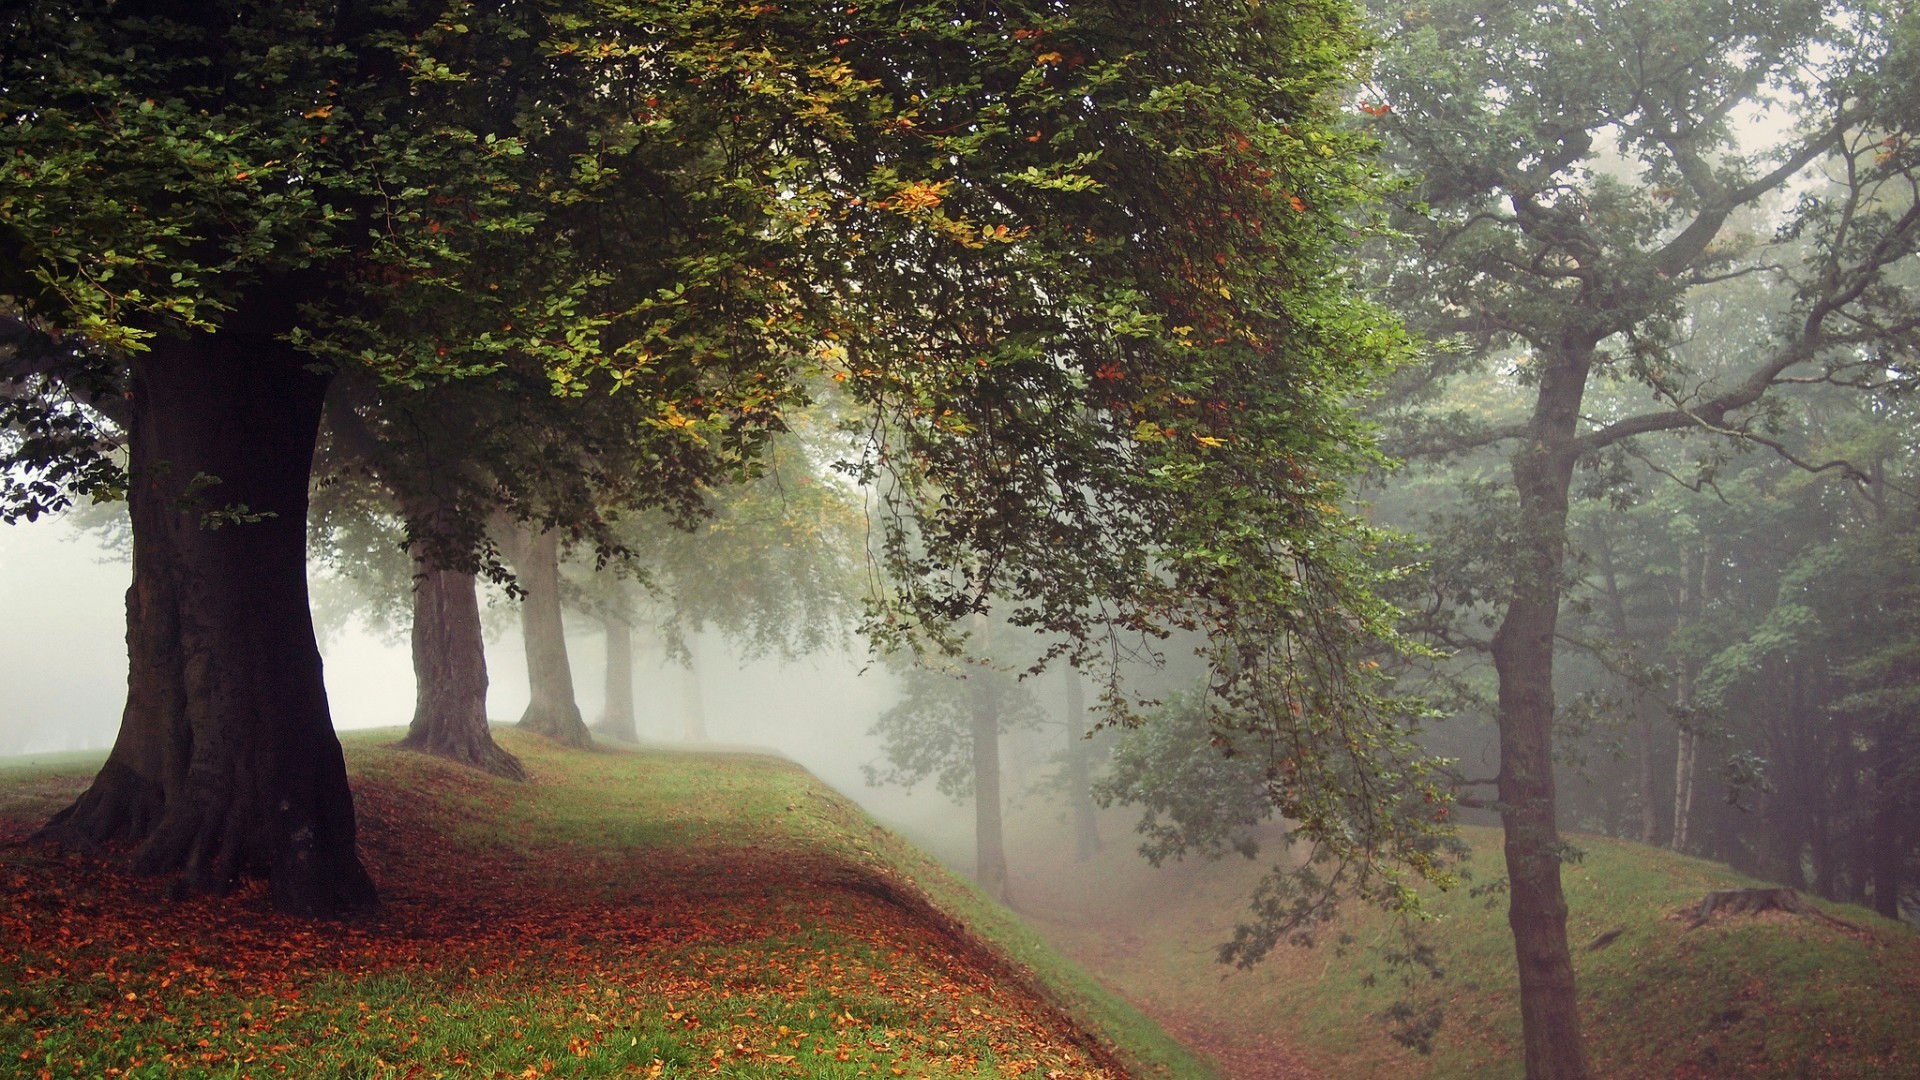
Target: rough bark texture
551, 709
616, 719
1523, 657
226, 763
450, 674
1086, 831
990, 850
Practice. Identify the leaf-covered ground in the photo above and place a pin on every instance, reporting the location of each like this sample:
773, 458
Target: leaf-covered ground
623, 914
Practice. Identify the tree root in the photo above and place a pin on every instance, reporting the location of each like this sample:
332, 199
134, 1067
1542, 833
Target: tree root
1755, 901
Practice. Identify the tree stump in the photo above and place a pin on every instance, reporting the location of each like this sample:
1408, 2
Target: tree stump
1755, 901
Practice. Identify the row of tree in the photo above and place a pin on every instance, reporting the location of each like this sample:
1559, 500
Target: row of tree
540, 270
1069, 271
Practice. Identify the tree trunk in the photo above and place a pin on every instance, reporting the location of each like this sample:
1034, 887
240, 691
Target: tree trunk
616, 719
1637, 693
1891, 829
551, 709
693, 707
226, 762
1683, 774
1889, 855
1086, 832
1523, 650
1686, 757
990, 850
450, 674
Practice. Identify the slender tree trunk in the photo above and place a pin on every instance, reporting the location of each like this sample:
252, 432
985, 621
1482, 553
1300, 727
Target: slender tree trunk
1685, 764
693, 707
990, 850
1086, 831
1889, 855
616, 719
1523, 649
450, 673
551, 709
1683, 773
226, 763
1642, 707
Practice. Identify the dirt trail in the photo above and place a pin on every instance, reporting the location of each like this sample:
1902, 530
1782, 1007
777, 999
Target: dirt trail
1147, 936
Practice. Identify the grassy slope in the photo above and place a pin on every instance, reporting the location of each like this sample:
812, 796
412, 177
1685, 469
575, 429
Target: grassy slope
1766, 996
626, 914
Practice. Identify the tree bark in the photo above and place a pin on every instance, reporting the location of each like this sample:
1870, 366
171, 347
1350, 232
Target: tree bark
616, 718
1523, 649
1685, 765
551, 708
1086, 831
1637, 693
226, 763
450, 674
990, 850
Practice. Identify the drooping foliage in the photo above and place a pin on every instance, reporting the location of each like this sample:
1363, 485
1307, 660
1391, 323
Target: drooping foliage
1073, 264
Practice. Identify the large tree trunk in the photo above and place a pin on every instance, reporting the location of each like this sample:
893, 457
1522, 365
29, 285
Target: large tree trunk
1086, 831
450, 673
616, 718
551, 709
226, 763
1523, 649
990, 850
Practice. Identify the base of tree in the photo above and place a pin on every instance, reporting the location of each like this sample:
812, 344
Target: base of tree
209, 852
464, 748
621, 728
1755, 901
561, 723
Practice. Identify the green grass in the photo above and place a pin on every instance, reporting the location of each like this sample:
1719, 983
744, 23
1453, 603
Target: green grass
625, 914
1754, 996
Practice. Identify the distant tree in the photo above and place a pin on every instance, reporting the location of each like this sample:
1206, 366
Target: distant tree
772, 565
1078, 773
1580, 180
947, 727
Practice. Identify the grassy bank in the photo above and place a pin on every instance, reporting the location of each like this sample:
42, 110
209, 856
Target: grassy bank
1771, 995
651, 914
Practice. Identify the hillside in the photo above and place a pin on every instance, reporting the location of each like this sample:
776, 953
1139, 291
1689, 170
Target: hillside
1769, 995
650, 914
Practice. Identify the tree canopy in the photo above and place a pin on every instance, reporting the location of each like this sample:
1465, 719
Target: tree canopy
1073, 265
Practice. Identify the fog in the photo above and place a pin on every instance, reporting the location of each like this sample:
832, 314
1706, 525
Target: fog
63, 670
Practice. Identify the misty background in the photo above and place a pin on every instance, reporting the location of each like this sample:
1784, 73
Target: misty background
63, 683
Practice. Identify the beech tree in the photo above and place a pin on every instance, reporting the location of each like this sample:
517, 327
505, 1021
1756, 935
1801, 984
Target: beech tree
1073, 263
1582, 174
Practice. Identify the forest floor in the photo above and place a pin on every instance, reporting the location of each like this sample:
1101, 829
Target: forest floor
1770, 995
649, 914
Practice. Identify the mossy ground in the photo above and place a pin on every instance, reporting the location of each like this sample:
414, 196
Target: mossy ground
651, 914
1744, 996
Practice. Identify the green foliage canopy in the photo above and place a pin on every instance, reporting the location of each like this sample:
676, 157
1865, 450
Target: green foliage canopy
1074, 264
